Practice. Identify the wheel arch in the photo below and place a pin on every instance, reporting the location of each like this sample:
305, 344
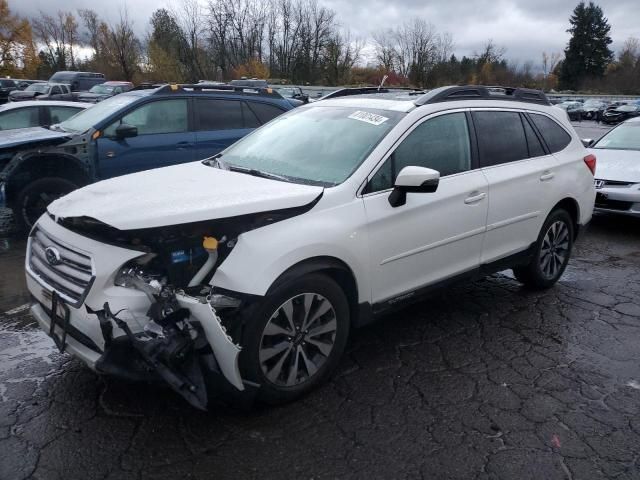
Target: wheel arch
335, 269
571, 206
35, 166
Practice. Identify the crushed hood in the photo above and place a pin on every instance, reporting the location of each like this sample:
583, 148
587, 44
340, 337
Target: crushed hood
620, 165
180, 194
31, 136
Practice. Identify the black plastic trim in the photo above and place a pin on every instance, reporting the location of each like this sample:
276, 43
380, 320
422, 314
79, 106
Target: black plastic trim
481, 92
407, 298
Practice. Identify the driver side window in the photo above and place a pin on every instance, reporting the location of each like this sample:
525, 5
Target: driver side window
441, 143
162, 116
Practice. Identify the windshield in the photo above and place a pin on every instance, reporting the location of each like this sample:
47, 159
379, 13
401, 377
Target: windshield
37, 87
593, 103
318, 146
287, 92
624, 137
627, 108
101, 89
90, 117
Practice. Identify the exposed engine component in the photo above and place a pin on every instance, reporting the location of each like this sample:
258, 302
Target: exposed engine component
171, 355
178, 326
210, 244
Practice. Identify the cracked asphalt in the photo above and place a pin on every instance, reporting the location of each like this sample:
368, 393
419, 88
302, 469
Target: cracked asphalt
486, 380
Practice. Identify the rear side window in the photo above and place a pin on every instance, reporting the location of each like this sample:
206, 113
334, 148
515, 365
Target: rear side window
535, 147
56, 90
219, 114
554, 135
501, 137
264, 111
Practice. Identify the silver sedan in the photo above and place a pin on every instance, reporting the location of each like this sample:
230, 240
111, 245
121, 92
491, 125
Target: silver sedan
617, 178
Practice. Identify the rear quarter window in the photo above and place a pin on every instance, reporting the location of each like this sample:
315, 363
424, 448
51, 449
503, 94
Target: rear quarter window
264, 111
554, 135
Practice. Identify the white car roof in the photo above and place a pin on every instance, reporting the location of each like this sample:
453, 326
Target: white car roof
364, 101
43, 103
405, 103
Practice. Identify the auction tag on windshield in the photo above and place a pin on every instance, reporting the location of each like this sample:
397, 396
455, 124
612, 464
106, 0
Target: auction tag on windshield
367, 117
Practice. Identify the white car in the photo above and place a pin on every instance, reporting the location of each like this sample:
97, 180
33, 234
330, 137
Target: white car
255, 264
618, 174
37, 113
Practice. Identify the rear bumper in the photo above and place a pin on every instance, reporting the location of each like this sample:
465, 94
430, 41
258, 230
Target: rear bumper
619, 200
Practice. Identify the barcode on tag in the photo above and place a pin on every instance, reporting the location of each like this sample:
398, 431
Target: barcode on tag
368, 117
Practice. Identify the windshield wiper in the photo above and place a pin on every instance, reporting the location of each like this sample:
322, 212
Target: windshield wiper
258, 173
216, 162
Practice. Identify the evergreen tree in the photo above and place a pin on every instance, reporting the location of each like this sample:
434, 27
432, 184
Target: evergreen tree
588, 53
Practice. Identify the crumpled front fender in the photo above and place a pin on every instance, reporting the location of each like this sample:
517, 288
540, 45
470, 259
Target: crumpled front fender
225, 351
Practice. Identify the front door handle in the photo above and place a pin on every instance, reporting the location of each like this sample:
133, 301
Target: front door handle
183, 145
475, 197
547, 176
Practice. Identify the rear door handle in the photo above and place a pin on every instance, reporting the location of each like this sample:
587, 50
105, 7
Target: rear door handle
181, 145
547, 176
475, 197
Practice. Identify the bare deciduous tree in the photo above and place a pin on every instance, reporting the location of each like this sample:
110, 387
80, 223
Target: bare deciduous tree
59, 34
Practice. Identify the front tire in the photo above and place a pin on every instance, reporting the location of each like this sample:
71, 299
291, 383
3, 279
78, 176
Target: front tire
295, 338
33, 199
551, 252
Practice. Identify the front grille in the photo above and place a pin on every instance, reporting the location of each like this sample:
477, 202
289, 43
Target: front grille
58, 266
612, 183
603, 202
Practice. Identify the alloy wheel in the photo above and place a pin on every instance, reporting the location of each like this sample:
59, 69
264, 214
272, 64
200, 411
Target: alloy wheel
554, 249
298, 339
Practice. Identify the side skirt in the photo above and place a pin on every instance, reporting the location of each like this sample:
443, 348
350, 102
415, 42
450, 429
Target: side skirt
369, 313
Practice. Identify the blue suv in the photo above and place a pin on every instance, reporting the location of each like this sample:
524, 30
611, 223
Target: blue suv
133, 131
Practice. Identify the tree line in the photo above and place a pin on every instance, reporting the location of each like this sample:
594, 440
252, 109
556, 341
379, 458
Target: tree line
300, 41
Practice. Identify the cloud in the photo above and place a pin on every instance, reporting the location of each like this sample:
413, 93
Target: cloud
524, 28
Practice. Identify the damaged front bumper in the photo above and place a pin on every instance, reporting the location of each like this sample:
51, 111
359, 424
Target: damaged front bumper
189, 368
111, 329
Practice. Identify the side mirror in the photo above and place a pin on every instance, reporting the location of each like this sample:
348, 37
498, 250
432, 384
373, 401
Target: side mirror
413, 179
587, 142
125, 130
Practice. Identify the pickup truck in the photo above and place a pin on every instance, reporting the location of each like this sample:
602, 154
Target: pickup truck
43, 91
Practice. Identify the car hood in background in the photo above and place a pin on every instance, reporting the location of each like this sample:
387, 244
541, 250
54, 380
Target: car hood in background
619, 165
91, 97
21, 95
180, 194
31, 136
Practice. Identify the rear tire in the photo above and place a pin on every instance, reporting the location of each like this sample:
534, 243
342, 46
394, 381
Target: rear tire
33, 199
295, 338
551, 252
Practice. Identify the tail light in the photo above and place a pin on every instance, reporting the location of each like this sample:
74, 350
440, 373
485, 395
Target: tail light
590, 161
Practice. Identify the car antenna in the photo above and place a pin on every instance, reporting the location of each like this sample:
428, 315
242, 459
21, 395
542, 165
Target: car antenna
384, 79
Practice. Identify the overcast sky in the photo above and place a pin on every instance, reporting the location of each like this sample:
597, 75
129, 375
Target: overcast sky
524, 28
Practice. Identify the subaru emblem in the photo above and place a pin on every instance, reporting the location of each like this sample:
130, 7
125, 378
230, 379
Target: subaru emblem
53, 256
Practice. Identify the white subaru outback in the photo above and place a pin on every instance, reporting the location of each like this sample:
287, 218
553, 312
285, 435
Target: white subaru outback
244, 273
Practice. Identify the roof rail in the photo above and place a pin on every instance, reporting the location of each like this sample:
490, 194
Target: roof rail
219, 88
481, 92
345, 92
